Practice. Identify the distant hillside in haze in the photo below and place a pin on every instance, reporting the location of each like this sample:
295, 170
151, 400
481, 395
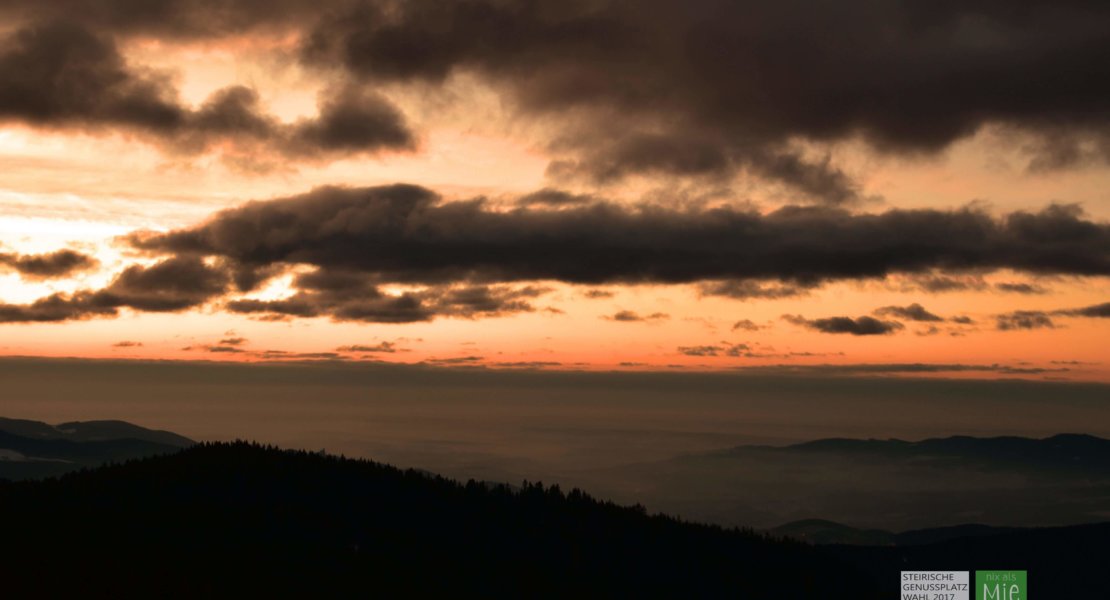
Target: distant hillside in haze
889, 485
92, 431
821, 531
1060, 455
31, 449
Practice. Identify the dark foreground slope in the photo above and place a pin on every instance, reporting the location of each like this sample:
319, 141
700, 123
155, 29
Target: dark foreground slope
1062, 562
239, 519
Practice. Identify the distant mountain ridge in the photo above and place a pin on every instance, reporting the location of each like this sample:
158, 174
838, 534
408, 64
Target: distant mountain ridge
32, 449
821, 531
1063, 452
886, 485
91, 431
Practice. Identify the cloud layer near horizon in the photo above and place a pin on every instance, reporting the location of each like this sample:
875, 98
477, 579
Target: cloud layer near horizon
470, 258
406, 233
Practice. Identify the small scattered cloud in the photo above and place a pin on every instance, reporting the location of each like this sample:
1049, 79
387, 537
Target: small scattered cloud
554, 198
913, 312
285, 355
700, 350
471, 360
846, 325
383, 348
934, 283
530, 364
1097, 311
903, 369
62, 263
1020, 288
1024, 319
746, 325
1042, 319
224, 349
753, 290
628, 316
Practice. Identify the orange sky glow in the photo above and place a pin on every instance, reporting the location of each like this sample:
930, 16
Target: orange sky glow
88, 188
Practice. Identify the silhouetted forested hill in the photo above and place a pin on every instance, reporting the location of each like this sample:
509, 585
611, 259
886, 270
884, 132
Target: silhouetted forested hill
240, 519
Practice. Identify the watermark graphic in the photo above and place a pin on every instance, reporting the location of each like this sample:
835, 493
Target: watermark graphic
935, 585
1001, 585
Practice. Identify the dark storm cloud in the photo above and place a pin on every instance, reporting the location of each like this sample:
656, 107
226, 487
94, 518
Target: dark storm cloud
170, 285
350, 296
60, 74
174, 19
460, 259
703, 88
714, 86
854, 326
55, 308
620, 154
913, 312
61, 263
405, 233
352, 120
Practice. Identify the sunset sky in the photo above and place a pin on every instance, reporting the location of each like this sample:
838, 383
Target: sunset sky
921, 189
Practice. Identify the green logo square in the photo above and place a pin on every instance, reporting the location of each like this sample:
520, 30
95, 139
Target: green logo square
1001, 585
